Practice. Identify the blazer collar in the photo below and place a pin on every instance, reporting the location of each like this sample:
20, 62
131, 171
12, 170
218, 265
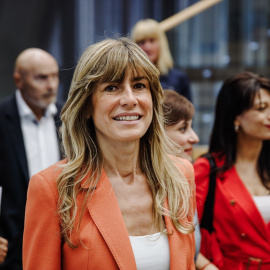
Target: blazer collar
106, 214
240, 196
178, 254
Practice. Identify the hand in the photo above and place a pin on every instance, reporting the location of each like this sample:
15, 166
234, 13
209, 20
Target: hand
3, 249
211, 267
202, 262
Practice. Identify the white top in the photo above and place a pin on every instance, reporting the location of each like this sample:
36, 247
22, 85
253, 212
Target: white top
40, 138
151, 252
263, 205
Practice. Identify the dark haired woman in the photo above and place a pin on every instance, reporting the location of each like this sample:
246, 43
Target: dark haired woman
240, 145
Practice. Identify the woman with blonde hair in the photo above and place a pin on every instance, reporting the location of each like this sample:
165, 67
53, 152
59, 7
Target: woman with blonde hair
152, 39
118, 200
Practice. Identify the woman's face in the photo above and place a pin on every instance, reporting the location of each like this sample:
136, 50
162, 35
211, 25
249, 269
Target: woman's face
255, 122
152, 48
122, 111
183, 134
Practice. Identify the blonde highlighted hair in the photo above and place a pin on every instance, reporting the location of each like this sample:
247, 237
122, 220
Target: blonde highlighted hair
108, 61
149, 28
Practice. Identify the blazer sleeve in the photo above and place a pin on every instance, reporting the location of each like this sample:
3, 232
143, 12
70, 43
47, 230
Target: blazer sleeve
202, 170
41, 240
209, 244
184, 85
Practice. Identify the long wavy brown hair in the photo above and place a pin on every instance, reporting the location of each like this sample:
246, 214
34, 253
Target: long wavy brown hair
108, 61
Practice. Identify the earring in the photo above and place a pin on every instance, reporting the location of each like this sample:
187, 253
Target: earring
236, 128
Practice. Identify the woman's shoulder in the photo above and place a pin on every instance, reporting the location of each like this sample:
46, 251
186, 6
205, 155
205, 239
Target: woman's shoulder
42, 186
184, 165
54, 170
48, 175
204, 160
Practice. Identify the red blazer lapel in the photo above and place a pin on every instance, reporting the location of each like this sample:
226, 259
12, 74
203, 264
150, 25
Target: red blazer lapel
239, 195
106, 214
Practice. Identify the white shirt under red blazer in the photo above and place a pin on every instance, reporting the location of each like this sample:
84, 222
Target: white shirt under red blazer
241, 236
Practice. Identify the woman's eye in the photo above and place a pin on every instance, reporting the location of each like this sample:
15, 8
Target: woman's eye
110, 88
141, 42
139, 86
183, 129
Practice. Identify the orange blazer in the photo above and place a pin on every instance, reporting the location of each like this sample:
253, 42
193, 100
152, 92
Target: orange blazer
104, 238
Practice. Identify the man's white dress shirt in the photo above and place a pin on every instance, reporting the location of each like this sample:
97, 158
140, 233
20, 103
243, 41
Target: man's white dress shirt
40, 137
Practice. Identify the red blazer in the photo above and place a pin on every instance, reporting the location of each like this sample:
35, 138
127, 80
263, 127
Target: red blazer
240, 231
105, 240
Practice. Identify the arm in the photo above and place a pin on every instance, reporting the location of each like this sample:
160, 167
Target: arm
204, 264
3, 249
42, 241
202, 170
197, 235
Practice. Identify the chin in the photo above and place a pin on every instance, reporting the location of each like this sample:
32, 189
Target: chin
187, 157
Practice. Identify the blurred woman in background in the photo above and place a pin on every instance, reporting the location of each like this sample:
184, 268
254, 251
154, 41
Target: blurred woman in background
240, 146
152, 39
178, 113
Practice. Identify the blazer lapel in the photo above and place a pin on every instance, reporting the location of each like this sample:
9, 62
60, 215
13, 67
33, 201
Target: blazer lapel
240, 195
178, 254
106, 214
15, 133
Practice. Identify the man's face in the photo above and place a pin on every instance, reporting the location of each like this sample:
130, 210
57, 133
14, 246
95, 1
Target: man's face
39, 83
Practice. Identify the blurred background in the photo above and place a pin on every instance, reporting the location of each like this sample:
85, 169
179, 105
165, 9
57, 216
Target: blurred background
232, 36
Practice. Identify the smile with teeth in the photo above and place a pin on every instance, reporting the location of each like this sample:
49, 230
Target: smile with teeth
127, 118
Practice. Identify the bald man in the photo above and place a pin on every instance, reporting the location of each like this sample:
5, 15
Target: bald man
29, 142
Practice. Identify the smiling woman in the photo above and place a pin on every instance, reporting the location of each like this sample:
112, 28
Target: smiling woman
122, 110
178, 112
240, 145
118, 200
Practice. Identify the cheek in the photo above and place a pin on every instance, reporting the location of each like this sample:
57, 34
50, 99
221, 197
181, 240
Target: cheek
175, 136
181, 140
156, 48
147, 102
142, 47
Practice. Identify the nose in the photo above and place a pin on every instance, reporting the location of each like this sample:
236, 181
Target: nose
128, 98
146, 45
193, 137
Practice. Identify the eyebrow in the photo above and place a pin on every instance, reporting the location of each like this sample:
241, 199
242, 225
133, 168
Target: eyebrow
139, 78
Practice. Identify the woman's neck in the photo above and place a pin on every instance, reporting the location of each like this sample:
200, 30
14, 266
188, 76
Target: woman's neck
121, 159
248, 149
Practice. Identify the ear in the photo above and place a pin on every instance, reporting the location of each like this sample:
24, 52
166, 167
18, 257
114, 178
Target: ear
89, 114
17, 79
236, 121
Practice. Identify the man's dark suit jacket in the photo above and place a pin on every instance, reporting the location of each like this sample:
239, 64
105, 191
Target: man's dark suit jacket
14, 178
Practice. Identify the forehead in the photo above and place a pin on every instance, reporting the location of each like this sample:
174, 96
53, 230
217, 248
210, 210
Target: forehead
118, 76
42, 64
147, 35
262, 95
